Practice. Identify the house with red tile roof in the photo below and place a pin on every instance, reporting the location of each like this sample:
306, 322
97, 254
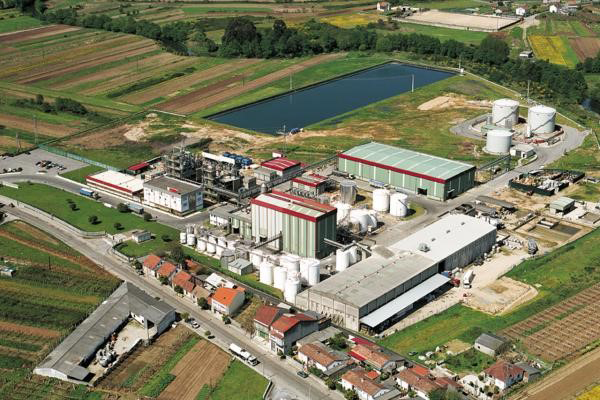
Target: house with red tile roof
166, 270
504, 374
264, 318
288, 329
226, 301
422, 384
357, 379
184, 281
319, 356
376, 356
151, 264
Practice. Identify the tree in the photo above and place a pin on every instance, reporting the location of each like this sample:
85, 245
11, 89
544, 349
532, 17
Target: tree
122, 207
203, 303
178, 289
163, 280
338, 341
73, 206
177, 254
137, 265
39, 99
92, 219
226, 320
147, 216
166, 238
350, 395
185, 316
118, 226
330, 383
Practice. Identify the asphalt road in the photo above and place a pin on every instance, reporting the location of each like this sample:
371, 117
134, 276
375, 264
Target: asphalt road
283, 373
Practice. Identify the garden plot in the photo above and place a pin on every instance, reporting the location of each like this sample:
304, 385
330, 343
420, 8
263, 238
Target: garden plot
37, 33
585, 47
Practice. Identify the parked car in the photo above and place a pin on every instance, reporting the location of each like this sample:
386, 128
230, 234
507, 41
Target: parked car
194, 324
302, 374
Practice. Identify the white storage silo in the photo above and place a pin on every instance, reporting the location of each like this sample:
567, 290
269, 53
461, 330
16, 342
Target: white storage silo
221, 241
360, 218
219, 250
265, 273
191, 239
279, 277
505, 112
291, 263
256, 257
231, 244
314, 273
541, 119
189, 229
211, 247
399, 205
201, 244
352, 255
372, 215
381, 200
305, 263
292, 287
342, 260
498, 141
182, 238
343, 210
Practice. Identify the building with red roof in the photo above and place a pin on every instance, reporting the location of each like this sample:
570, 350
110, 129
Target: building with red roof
504, 374
226, 301
166, 270
357, 379
423, 384
151, 264
282, 165
311, 183
184, 281
376, 356
319, 356
138, 168
117, 183
264, 318
288, 329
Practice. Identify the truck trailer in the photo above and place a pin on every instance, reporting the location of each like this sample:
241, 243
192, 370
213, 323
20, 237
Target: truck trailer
88, 193
242, 354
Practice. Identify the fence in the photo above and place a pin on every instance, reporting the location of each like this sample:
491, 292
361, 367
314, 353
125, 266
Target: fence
76, 157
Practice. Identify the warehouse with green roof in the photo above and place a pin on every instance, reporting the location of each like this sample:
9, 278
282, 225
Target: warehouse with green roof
435, 177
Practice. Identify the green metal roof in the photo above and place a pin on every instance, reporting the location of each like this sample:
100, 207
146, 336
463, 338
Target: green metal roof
395, 158
562, 203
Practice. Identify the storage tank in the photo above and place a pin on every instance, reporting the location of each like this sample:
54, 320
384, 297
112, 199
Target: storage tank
221, 241
201, 245
541, 119
343, 210
348, 192
211, 247
231, 244
342, 260
314, 273
372, 215
360, 218
381, 200
291, 263
227, 257
256, 257
505, 112
352, 255
399, 205
279, 277
189, 229
498, 141
182, 237
191, 239
265, 273
305, 266
292, 287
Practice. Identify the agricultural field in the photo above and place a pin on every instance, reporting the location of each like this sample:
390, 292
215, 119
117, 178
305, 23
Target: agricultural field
558, 275
555, 49
443, 34
352, 20
54, 288
591, 394
11, 21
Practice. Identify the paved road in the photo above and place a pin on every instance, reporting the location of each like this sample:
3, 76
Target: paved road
282, 373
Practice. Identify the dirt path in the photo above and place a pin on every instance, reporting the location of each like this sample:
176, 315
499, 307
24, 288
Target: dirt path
567, 381
199, 99
36, 33
43, 128
203, 365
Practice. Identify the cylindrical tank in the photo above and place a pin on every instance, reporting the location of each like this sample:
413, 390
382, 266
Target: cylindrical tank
314, 273
505, 112
352, 255
381, 200
189, 229
348, 192
231, 244
541, 119
292, 287
212, 239
305, 265
360, 218
182, 237
256, 257
279, 277
201, 245
399, 205
342, 260
343, 210
221, 241
498, 141
372, 215
227, 257
291, 263
219, 250
265, 273
191, 239
211, 247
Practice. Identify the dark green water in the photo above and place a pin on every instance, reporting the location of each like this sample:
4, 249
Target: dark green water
304, 107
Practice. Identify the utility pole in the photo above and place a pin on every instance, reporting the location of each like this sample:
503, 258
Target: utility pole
35, 129
413, 83
291, 85
528, 81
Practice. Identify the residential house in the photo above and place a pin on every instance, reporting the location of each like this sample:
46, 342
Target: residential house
7, 271
383, 6
553, 8
185, 282
490, 344
264, 318
215, 281
166, 270
288, 329
531, 374
376, 356
321, 357
366, 388
198, 292
227, 301
422, 382
151, 264
504, 374
521, 11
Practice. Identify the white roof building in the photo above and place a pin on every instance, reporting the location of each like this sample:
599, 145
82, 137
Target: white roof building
117, 183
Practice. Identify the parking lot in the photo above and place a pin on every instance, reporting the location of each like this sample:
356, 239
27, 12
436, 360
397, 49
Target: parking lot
27, 162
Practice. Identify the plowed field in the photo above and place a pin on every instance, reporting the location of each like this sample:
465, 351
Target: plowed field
36, 33
585, 47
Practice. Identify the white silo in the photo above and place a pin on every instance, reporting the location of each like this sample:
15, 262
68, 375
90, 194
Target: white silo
399, 205
231, 244
256, 257
314, 273
221, 241
305, 263
348, 191
360, 218
381, 200
342, 260
201, 244
343, 210
191, 239
372, 215
292, 287
219, 250
291, 263
541, 119
265, 273
182, 237
498, 141
352, 255
211, 247
279, 277
505, 112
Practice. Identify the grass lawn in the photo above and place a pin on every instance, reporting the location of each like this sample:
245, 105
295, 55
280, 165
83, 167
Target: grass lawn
54, 201
18, 23
586, 192
121, 156
79, 175
240, 382
204, 10
469, 361
443, 34
585, 158
557, 275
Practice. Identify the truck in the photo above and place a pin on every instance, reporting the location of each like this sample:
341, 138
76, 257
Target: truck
136, 208
88, 193
242, 354
467, 279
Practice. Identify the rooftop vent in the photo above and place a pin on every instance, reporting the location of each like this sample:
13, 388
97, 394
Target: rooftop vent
423, 247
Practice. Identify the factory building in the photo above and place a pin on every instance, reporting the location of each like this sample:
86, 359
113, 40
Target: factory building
434, 177
381, 289
302, 224
282, 166
312, 184
117, 183
173, 195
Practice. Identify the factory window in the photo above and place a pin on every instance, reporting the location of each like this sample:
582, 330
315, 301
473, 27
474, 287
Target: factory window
422, 191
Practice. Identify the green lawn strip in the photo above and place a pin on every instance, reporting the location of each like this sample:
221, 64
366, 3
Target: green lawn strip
60, 118
240, 382
203, 10
570, 56
121, 156
468, 361
132, 379
163, 377
557, 275
586, 192
18, 23
443, 34
79, 175
20, 345
204, 393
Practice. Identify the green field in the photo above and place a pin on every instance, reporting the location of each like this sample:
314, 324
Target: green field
472, 361
238, 10
586, 192
17, 23
80, 174
240, 382
557, 275
443, 34
54, 201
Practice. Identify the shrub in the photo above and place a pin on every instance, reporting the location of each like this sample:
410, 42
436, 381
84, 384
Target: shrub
92, 219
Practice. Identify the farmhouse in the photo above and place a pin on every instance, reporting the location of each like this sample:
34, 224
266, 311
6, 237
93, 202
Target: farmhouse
366, 388
184, 281
264, 318
7, 271
151, 264
383, 6
504, 374
69, 360
166, 270
376, 356
226, 301
288, 329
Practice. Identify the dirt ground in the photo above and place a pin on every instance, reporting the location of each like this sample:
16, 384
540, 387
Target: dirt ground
457, 346
451, 100
475, 22
29, 330
36, 33
501, 296
10, 142
44, 128
35, 232
203, 365
585, 47
200, 99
